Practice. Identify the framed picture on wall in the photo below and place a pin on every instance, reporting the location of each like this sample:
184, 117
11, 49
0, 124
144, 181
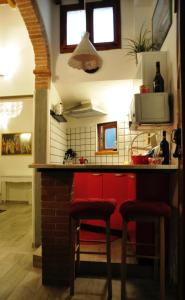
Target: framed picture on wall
16, 143
161, 22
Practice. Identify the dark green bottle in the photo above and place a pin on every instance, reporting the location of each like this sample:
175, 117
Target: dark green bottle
158, 82
164, 149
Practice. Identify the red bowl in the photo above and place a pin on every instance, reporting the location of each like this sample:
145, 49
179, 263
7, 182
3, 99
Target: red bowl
139, 159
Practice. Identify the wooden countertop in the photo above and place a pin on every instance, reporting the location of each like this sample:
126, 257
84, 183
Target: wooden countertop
91, 167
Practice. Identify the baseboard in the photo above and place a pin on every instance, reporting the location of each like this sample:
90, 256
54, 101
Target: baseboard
17, 202
37, 258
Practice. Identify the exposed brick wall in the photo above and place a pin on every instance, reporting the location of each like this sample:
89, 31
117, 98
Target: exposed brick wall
33, 22
56, 195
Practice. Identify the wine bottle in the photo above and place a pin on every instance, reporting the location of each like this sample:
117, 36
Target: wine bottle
158, 82
164, 149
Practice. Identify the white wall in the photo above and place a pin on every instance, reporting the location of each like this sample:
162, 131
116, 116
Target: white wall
19, 55
116, 64
19, 64
170, 46
17, 165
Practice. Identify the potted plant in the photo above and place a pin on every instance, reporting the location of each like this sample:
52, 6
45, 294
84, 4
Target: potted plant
70, 154
142, 43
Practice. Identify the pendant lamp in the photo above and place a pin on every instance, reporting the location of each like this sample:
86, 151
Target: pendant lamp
85, 56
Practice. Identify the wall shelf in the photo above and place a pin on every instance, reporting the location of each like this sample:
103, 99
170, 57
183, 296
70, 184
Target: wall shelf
57, 117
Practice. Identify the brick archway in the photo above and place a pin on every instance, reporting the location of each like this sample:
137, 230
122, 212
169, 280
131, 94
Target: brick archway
34, 25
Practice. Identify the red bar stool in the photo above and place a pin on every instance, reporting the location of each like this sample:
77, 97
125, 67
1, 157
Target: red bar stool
142, 211
94, 210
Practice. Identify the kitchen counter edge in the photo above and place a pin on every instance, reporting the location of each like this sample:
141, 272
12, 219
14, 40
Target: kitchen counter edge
103, 167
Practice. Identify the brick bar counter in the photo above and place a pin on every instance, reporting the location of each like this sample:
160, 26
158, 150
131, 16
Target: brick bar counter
56, 193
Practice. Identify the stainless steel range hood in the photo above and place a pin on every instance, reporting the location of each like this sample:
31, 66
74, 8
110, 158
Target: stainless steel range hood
84, 110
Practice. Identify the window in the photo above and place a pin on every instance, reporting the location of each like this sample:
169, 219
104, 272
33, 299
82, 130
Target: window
75, 21
107, 137
103, 31
76, 24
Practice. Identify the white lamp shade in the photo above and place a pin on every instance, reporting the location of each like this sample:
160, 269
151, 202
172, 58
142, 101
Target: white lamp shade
85, 56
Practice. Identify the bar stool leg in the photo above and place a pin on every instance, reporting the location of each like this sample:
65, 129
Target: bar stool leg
123, 261
162, 259
156, 261
108, 251
72, 255
78, 244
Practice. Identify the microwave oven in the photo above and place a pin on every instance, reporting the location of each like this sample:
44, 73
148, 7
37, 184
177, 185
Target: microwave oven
150, 108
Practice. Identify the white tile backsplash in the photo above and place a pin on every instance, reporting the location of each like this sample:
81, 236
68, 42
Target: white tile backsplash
87, 153
88, 147
73, 130
83, 140
82, 135
109, 159
93, 135
88, 141
104, 159
83, 147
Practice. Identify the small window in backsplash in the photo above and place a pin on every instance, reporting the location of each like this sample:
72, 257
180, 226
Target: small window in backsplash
107, 137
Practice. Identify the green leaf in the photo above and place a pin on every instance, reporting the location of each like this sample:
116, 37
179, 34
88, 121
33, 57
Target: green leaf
142, 43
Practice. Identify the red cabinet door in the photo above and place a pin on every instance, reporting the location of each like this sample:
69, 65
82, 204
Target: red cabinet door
94, 185
94, 188
119, 186
131, 186
115, 186
88, 186
80, 190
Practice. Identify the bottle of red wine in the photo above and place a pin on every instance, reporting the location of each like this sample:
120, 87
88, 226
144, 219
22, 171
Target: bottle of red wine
158, 82
164, 149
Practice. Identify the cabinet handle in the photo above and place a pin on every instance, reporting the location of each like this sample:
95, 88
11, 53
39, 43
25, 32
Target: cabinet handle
131, 176
120, 175
96, 174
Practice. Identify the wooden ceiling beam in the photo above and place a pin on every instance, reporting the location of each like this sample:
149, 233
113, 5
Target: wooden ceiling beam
3, 1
